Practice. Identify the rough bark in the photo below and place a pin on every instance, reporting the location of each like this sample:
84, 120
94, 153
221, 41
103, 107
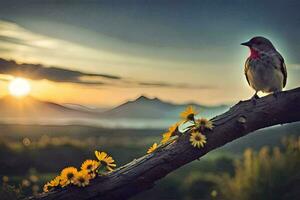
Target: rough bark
141, 174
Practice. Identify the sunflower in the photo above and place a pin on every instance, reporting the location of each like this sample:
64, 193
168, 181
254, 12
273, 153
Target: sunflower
82, 178
197, 139
105, 160
203, 123
47, 187
152, 148
166, 137
90, 165
52, 184
171, 132
188, 114
55, 182
173, 128
68, 175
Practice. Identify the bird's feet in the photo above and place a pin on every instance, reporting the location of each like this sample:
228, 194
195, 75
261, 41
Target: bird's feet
254, 98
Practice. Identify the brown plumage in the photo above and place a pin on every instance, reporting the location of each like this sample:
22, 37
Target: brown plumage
265, 69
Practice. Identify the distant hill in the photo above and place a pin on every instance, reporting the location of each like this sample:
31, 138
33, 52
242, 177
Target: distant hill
144, 107
26, 107
83, 108
141, 112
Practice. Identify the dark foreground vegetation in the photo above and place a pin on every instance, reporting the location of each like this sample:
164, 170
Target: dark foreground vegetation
32, 155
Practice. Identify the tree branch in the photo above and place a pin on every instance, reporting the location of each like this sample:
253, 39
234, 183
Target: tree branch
141, 174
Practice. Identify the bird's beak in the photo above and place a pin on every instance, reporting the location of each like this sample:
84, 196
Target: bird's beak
246, 44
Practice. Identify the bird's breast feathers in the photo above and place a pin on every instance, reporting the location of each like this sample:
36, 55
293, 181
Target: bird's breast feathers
266, 73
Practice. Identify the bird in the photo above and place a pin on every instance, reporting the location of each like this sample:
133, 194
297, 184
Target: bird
265, 69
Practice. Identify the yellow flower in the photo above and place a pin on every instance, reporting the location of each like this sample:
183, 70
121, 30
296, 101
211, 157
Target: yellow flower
170, 133
52, 184
188, 114
68, 176
47, 187
173, 128
197, 139
55, 182
204, 123
105, 160
166, 137
92, 174
90, 165
82, 178
152, 148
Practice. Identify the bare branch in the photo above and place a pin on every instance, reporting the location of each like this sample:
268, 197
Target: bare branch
141, 174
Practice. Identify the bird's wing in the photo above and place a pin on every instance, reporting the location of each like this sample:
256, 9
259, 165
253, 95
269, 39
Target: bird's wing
246, 69
283, 69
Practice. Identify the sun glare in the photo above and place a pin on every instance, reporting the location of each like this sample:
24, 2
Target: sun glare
19, 87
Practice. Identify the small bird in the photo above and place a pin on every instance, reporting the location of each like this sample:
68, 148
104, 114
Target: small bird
264, 69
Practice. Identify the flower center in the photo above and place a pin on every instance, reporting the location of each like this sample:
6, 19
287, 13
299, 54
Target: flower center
197, 138
81, 180
89, 167
103, 163
70, 175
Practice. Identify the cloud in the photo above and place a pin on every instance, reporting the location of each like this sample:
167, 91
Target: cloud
21, 44
181, 86
55, 74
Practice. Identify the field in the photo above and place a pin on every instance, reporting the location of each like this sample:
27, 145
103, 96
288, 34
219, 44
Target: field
34, 151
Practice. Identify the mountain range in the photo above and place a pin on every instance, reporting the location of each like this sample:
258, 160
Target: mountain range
142, 107
30, 107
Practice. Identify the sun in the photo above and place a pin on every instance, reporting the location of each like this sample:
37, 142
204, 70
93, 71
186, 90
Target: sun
19, 87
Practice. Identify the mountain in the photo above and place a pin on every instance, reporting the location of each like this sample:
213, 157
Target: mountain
144, 107
139, 113
83, 108
30, 107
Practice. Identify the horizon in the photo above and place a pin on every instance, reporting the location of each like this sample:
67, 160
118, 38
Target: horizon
8, 96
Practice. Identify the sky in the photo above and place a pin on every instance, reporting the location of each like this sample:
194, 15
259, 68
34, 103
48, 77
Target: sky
103, 53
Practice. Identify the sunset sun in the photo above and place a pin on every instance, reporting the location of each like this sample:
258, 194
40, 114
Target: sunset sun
19, 87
